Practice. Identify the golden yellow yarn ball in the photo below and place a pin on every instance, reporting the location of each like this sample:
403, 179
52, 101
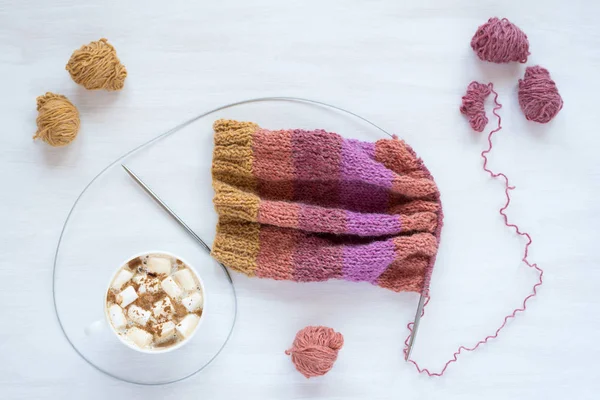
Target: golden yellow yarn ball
57, 121
96, 66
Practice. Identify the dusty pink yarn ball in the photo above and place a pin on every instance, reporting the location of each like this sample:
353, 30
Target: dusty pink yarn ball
500, 41
473, 105
538, 95
315, 349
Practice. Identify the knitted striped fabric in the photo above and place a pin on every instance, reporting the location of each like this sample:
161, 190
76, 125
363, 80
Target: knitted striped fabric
311, 206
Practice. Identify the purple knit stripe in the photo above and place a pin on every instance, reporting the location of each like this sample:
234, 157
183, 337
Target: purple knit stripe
366, 262
372, 224
365, 183
316, 159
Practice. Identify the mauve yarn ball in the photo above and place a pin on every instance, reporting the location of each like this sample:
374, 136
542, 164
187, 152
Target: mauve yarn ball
538, 95
500, 41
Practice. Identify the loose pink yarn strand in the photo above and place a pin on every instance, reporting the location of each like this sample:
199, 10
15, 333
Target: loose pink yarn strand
507, 189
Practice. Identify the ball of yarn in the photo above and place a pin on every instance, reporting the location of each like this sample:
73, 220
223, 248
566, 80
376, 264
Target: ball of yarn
473, 105
96, 66
315, 349
57, 121
500, 41
538, 95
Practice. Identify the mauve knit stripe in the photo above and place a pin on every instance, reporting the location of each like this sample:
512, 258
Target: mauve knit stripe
365, 183
316, 158
316, 259
366, 262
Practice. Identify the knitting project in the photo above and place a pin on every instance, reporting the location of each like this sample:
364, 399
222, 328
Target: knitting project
311, 206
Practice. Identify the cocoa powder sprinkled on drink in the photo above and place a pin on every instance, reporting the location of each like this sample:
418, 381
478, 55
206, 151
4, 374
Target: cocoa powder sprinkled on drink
147, 300
136, 262
111, 297
180, 311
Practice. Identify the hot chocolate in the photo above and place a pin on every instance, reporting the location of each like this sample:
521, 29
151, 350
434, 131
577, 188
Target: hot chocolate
155, 302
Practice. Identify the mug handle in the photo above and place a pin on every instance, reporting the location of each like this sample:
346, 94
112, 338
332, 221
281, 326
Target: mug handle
95, 327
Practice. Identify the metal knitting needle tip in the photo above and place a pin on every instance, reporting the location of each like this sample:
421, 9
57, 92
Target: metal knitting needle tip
165, 207
415, 326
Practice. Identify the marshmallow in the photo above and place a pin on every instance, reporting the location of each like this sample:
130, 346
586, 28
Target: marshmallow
163, 308
185, 279
171, 288
193, 301
122, 278
117, 317
139, 336
127, 296
164, 331
159, 265
138, 315
187, 325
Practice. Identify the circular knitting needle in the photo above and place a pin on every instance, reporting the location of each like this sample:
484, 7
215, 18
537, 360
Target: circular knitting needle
415, 326
172, 213
167, 209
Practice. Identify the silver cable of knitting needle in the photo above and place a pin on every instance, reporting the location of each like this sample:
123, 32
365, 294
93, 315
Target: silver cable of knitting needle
166, 207
249, 101
415, 326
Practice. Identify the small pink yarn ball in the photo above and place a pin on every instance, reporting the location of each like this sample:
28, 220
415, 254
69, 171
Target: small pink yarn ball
315, 350
500, 41
538, 95
473, 105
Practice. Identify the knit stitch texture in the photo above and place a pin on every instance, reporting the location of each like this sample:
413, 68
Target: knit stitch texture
311, 206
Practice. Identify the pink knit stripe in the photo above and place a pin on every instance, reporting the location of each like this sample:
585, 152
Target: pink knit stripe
276, 255
396, 155
273, 164
406, 275
419, 222
279, 213
338, 221
415, 206
413, 187
417, 244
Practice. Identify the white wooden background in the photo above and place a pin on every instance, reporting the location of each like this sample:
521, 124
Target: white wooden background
403, 64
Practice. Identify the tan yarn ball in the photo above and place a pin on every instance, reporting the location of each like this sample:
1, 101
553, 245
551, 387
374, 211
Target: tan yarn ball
96, 66
57, 121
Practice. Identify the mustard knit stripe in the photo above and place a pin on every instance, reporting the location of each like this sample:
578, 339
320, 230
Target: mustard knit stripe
237, 242
234, 203
236, 245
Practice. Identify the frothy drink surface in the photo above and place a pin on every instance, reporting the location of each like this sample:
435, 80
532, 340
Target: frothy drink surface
155, 301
